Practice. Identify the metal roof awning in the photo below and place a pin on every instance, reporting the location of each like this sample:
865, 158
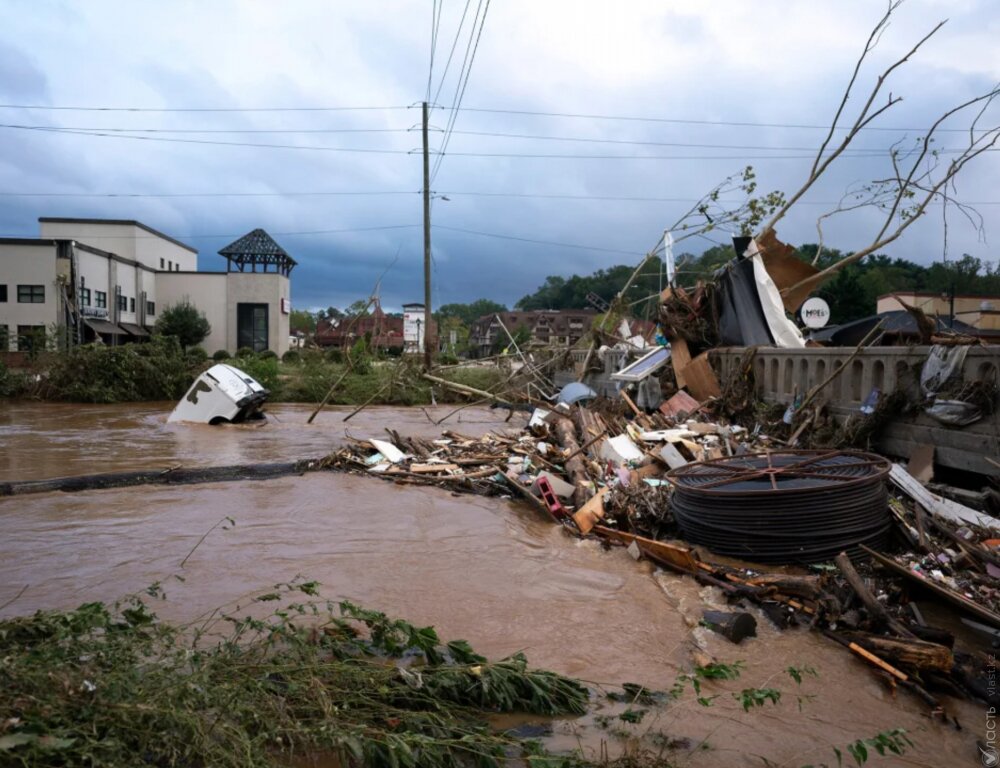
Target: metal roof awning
103, 326
135, 330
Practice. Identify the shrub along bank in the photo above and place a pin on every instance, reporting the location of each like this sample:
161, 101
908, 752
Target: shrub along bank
162, 370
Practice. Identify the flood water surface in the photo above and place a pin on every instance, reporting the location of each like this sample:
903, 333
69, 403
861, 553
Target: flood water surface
487, 570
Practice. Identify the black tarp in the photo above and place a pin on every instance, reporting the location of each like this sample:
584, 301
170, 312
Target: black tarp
741, 318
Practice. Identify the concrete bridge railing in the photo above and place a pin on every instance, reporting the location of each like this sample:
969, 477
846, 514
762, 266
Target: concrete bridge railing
780, 373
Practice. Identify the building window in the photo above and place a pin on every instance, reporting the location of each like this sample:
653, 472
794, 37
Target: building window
4, 339
84, 297
122, 301
161, 262
30, 338
100, 299
3, 293
31, 294
150, 308
170, 266
177, 267
131, 305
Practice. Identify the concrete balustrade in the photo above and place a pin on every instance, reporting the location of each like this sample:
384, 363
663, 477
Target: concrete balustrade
781, 373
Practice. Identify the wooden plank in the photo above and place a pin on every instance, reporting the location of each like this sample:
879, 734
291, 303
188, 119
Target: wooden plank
942, 591
871, 657
587, 516
681, 357
674, 556
422, 469
700, 379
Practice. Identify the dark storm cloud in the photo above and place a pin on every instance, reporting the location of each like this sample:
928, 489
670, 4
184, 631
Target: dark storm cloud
726, 62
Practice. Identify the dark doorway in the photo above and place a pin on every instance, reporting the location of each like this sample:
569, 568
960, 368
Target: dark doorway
251, 326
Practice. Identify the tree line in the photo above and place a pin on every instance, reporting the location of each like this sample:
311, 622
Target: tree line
852, 293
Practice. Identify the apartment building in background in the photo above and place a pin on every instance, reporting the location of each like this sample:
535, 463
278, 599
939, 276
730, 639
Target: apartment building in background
107, 280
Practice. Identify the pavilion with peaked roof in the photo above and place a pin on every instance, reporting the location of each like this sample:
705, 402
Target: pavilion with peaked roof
257, 248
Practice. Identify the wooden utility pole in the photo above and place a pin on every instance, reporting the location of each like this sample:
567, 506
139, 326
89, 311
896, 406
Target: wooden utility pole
427, 247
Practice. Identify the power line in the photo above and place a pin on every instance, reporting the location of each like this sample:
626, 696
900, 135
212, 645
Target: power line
390, 192
277, 234
131, 195
212, 130
535, 113
538, 242
688, 121
457, 104
867, 154
100, 130
197, 109
451, 53
436, 9
589, 140
174, 140
121, 134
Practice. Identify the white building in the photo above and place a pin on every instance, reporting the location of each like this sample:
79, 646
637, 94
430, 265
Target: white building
413, 328
99, 279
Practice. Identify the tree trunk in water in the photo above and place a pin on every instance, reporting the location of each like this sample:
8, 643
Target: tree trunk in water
576, 468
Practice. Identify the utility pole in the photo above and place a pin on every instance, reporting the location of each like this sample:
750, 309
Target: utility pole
427, 248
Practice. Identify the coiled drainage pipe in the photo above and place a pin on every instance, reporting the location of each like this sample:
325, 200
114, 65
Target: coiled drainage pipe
784, 506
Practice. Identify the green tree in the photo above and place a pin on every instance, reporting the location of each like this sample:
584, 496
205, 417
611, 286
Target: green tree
467, 314
572, 293
302, 320
185, 322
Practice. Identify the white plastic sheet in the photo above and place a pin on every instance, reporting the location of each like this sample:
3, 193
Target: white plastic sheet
782, 329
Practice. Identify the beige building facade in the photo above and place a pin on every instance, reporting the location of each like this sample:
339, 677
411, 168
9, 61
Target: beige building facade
981, 312
69, 287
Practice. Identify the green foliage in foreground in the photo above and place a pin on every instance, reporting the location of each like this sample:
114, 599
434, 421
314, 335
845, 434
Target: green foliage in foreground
116, 686
289, 673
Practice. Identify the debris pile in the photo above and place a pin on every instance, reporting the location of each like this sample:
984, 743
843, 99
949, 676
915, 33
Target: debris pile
689, 492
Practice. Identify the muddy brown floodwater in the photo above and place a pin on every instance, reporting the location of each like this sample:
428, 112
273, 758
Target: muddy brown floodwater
487, 570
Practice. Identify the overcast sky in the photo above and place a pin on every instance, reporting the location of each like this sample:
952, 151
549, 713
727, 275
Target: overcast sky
770, 61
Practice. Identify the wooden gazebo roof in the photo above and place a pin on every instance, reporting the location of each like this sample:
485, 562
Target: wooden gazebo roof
257, 248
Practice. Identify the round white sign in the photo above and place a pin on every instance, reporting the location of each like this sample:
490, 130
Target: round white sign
815, 312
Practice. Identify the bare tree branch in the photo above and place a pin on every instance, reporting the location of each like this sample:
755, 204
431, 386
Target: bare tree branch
866, 115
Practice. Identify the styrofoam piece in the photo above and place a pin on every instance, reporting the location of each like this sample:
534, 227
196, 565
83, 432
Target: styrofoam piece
538, 418
667, 435
391, 452
672, 456
620, 450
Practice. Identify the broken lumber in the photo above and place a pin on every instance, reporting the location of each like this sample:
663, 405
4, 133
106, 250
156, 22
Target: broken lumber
576, 468
875, 609
917, 654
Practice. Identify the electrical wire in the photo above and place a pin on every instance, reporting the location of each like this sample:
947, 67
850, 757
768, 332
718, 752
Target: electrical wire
275, 234
688, 121
535, 113
460, 95
196, 109
389, 192
451, 53
174, 140
440, 152
537, 242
